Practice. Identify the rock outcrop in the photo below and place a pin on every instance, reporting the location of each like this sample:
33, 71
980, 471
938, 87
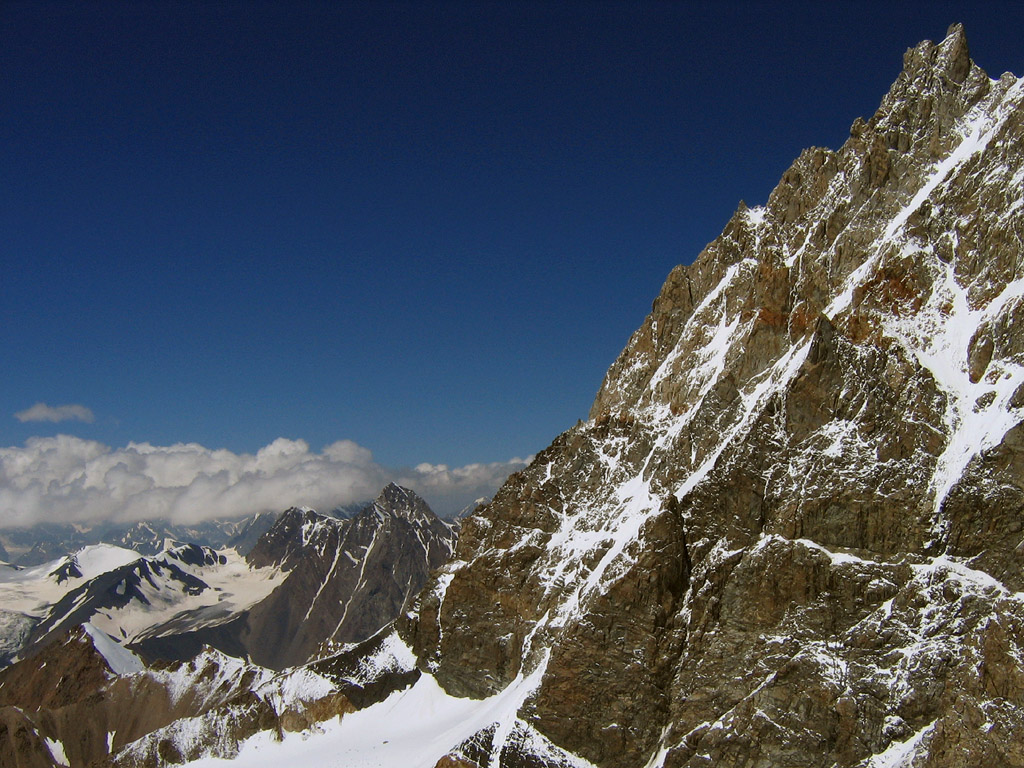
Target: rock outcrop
85, 701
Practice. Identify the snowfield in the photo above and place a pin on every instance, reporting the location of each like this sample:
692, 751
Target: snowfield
33, 590
31, 596
429, 724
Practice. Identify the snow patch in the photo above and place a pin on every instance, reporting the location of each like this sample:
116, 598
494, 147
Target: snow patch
100, 558
296, 686
900, 754
120, 660
393, 655
413, 728
57, 751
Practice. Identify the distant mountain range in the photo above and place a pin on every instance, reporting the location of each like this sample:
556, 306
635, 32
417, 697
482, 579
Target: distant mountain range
342, 580
45, 542
306, 581
85, 624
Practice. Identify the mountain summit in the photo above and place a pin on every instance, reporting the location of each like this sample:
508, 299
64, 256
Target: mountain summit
347, 578
401, 502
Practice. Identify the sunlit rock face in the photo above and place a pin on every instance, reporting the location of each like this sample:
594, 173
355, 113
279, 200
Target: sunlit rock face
790, 532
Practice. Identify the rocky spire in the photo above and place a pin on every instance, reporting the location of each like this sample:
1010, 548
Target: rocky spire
402, 502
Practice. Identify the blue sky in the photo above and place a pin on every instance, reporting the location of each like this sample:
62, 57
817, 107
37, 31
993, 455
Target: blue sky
424, 228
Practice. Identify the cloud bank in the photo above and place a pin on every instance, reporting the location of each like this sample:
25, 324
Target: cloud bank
55, 413
68, 479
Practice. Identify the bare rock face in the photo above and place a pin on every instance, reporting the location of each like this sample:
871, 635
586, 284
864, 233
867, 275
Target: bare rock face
792, 531
21, 745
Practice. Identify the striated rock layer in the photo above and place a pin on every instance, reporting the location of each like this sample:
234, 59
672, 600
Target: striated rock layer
347, 578
790, 532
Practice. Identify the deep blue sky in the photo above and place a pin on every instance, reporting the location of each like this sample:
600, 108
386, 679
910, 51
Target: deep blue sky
427, 228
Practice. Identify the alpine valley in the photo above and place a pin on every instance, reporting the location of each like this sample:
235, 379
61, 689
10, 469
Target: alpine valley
791, 532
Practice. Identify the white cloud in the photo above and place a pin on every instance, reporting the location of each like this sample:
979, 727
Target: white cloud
67, 479
55, 413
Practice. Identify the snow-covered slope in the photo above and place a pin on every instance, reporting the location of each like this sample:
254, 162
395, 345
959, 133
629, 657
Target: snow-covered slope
26, 594
27, 587
120, 660
127, 596
436, 726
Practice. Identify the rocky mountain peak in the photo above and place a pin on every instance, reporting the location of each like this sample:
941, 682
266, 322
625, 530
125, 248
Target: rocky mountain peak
396, 501
284, 544
939, 84
949, 59
345, 579
193, 554
820, 420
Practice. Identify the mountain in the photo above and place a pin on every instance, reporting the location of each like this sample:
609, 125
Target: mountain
310, 584
41, 544
790, 532
79, 697
346, 578
47, 541
27, 594
471, 508
345, 511
250, 531
343, 580
125, 595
